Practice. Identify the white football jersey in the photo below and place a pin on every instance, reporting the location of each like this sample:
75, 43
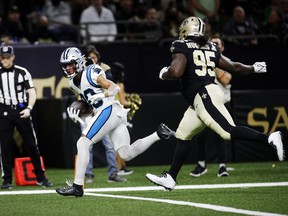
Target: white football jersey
88, 86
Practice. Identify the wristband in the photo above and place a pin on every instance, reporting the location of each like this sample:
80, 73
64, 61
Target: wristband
163, 70
113, 92
29, 107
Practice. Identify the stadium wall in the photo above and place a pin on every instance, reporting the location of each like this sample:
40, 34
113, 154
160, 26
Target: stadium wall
265, 111
265, 100
143, 63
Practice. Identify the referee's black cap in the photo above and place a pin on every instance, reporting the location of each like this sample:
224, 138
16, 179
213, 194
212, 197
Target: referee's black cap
6, 50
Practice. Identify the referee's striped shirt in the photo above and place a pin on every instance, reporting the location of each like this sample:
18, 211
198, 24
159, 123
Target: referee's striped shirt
14, 82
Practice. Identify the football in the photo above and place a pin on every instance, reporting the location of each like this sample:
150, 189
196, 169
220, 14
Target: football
85, 108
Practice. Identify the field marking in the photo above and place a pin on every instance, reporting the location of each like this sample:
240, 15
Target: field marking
181, 187
198, 205
149, 188
91, 192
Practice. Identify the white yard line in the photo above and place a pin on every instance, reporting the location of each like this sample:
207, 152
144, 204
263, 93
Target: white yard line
91, 191
181, 187
198, 205
147, 188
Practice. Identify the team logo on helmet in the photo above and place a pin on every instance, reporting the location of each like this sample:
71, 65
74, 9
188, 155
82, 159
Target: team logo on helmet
72, 55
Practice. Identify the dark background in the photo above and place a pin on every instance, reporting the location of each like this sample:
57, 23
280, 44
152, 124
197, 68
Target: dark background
162, 101
144, 61
58, 135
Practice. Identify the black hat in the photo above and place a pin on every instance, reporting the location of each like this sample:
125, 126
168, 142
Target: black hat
118, 66
6, 50
117, 70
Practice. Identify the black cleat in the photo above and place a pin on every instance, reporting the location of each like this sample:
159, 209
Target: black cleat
6, 185
164, 132
198, 171
45, 183
222, 172
70, 191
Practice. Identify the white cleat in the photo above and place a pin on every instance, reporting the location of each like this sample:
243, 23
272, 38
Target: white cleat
165, 180
275, 139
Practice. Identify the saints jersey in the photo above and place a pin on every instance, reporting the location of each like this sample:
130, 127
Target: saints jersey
201, 62
88, 86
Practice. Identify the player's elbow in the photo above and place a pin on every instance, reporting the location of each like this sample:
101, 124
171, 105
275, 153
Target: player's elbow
174, 73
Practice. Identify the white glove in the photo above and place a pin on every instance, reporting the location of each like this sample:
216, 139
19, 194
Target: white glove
95, 98
74, 115
163, 70
260, 67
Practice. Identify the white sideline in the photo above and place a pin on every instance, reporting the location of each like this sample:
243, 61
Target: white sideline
149, 188
89, 191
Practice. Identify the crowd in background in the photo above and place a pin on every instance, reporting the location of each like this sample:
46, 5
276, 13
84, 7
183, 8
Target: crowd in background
55, 21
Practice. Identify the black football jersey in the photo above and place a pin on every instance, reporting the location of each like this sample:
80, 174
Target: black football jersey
201, 62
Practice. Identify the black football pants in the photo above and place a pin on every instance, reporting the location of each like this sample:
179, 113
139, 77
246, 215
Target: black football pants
9, 119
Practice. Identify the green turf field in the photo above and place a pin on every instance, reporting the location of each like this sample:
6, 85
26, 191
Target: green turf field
251, 189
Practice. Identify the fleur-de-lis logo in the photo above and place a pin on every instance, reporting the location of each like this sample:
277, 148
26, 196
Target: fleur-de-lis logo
204, 96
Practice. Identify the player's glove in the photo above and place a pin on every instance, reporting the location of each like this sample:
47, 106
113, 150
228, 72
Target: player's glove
95, 98
74, 115
163, 70
260, 67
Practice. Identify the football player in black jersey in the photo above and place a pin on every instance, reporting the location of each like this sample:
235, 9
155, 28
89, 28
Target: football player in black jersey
194, 60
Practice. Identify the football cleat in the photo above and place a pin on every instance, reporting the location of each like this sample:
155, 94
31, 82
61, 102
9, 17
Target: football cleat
115, 178
6, 185
124, 171
89, 179
45, 183
70, 191
222, 172
198, 171
164, 132
275, 140
165, 180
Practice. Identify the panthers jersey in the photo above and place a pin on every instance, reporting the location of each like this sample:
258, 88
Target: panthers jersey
201, 62
88, 86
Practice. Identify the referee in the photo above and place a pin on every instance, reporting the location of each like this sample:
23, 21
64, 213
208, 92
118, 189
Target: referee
17, 98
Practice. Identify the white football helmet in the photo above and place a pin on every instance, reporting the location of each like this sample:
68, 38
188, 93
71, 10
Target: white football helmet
191, 26
72, 55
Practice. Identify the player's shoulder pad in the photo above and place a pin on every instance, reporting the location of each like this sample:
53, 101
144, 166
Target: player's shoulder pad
177, 41
178, 46
213, 46
94, 68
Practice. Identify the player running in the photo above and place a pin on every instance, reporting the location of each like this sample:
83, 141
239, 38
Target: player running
109, 116
194, 60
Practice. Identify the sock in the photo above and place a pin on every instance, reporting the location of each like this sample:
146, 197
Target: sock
180, 154
78, 187
83, 149
221, 165
128, 152
202, 163
245, 133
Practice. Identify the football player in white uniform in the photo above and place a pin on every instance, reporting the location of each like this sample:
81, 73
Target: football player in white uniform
194, 60
109, 116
